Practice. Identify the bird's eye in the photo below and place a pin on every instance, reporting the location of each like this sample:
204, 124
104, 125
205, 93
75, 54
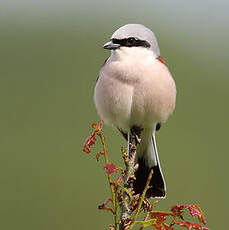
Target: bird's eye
131, 40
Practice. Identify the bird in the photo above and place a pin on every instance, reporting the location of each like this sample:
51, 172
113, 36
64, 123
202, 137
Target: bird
136, 93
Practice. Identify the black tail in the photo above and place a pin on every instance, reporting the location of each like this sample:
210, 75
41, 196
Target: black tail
156, 186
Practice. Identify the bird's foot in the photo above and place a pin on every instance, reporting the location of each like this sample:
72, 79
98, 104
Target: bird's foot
137, 139
136, 132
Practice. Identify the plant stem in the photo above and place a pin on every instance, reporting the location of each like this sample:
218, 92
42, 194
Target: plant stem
129, 163
116, 209
145, 219
142, 197
100, 133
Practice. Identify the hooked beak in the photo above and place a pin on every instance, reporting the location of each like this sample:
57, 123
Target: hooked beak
111, 46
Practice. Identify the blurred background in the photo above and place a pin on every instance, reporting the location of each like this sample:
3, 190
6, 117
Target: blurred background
50, 56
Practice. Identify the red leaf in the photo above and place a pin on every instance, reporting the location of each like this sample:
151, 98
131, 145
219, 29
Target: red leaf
107, 200
178, 210
194, 210
98, 155
89, 142
104, 207
161, 225
110, 167
119, 180
91, 139
101, 124
96, 126
160, 217
190, 225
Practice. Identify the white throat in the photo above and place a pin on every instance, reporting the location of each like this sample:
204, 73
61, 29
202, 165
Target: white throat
132, 52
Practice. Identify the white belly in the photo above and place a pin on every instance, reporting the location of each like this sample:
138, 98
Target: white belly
140, 94
113, 101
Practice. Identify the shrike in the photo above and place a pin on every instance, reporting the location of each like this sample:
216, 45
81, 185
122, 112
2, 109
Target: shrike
135, 92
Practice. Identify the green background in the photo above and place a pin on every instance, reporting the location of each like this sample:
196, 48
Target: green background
50, 56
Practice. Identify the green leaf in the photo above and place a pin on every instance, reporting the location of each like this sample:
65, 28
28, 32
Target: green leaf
146, 223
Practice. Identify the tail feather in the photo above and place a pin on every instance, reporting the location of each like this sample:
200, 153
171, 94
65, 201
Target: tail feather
157, 186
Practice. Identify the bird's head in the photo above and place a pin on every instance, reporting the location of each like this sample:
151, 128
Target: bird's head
133, 35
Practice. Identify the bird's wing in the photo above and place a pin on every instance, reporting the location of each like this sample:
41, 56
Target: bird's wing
101, 68
162, 60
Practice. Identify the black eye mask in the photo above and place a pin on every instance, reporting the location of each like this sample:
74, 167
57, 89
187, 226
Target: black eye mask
131, 42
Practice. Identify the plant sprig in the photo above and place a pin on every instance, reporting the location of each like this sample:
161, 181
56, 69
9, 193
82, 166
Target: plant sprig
127, 206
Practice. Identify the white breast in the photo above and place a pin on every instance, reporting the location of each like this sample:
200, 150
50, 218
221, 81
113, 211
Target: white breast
134, 88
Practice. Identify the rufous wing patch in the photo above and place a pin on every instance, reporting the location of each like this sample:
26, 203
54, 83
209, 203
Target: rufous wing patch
161, 59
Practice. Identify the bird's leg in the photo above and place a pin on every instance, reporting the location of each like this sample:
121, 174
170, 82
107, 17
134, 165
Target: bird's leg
138, 139
136, 132
132, 140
